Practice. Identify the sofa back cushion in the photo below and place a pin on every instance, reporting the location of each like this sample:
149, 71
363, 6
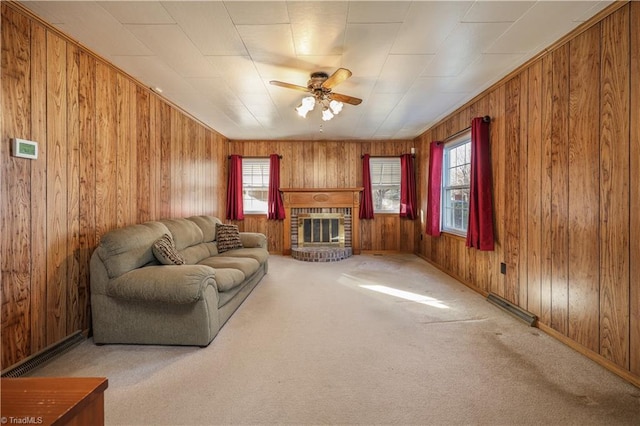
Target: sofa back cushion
208, 226
125, 249
188, 239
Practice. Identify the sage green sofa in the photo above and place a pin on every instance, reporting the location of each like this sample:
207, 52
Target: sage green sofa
137, 300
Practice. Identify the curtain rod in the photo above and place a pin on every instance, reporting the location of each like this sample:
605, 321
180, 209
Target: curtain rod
386, 156
279, 156
485, 119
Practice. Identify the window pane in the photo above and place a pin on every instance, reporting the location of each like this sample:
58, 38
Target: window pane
255, 184
455, 185
385, 184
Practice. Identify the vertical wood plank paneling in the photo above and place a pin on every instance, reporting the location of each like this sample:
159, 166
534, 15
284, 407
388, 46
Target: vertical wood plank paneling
523, 253
584, 197
559, 191
144, 166
496, 107
164, 114
123, 149
87, 110
534, 182
73, 309
15, 191
634, 223
511, 206
614, 189
546, 184
57, 189
38, 288
106, 150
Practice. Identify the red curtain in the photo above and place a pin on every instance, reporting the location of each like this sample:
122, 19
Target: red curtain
434, 189
275, 209
407, 187
235, 211
480, 230
366, 204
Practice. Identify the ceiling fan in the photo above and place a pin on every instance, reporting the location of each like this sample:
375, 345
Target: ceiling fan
320, 85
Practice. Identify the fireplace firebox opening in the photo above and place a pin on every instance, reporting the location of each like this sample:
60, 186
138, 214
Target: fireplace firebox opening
321, 229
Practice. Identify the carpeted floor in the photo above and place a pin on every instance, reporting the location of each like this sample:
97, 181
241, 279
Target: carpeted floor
368, 340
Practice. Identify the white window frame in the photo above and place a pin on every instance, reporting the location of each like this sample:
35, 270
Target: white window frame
255, 176
385, 175
449, 213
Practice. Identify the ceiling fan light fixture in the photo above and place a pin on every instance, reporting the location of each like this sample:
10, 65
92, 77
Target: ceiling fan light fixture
327, 114
336, 106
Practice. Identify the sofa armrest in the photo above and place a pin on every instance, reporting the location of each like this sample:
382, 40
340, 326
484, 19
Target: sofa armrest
253, 240
179, 284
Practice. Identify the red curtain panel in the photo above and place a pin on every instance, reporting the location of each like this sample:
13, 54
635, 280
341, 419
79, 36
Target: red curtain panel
235, 210
480, 229
407, 187
275, 209
434, 188
366, 204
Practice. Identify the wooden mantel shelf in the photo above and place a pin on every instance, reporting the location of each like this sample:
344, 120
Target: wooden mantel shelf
318, 198
358, 189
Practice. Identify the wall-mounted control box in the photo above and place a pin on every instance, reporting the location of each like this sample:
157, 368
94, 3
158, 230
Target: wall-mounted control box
24, 148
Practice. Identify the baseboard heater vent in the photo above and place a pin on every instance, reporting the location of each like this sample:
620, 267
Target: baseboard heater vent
514, 310
47, 354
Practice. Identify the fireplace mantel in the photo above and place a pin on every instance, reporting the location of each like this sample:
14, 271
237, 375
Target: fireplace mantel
318, 198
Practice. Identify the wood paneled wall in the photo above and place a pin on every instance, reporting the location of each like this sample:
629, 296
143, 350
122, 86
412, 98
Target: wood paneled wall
566, 159
330, 164
111, 153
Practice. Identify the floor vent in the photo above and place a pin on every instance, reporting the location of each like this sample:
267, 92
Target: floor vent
516, 311
45, 355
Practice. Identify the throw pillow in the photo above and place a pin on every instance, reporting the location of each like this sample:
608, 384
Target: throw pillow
228, 237
165, 251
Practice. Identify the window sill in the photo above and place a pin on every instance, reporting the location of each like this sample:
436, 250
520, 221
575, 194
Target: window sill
454, 236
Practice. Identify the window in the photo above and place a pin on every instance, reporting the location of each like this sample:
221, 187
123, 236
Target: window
385, 184
255, 185
456, 174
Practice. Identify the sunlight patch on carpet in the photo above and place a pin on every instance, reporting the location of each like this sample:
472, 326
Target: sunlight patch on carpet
407, 295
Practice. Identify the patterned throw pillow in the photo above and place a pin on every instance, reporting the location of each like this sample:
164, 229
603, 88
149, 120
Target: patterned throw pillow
228, 237
165, 251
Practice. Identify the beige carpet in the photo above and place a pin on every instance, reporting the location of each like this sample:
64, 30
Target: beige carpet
325, 343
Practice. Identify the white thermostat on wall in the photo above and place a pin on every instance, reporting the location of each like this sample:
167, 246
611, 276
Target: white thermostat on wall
24, 148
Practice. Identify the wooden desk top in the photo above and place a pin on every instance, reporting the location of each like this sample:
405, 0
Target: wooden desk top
47, 400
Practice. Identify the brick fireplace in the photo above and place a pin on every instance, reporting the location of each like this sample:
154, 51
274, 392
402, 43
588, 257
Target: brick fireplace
342, 204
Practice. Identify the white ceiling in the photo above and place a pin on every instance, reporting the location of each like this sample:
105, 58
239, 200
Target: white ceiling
413, 62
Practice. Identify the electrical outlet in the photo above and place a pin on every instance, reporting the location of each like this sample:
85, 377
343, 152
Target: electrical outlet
503, 268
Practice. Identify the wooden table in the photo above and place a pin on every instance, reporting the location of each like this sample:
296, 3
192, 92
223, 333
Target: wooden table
53, 400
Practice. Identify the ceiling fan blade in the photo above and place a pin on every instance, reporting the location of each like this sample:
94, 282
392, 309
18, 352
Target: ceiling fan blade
336, 78
345, 98
289, 86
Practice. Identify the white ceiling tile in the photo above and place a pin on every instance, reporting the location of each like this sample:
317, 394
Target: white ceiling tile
597, 7
369, 45
400, 71
470, 40
170, 44
497, 11
89, 23
540, 26
268, 40
427, 25
257, 12
377, 11
317, 38
484, 71
208, 25
239, 73
137, 12
315, 11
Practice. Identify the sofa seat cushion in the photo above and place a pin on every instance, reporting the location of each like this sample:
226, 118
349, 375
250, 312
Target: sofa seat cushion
259, 254
178, 284
247, 265
228, 278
